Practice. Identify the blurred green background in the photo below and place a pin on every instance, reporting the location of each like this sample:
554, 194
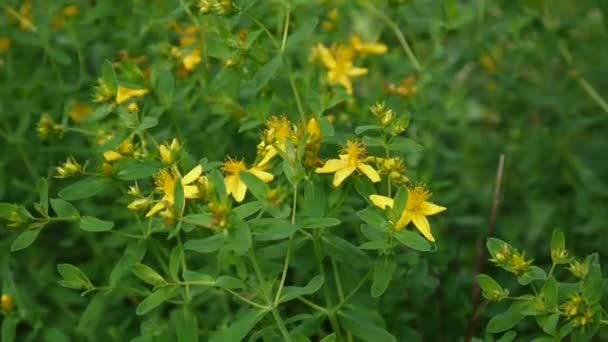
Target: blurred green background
527, 79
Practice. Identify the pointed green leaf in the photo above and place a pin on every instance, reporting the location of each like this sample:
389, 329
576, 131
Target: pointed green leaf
383, 274
148, 275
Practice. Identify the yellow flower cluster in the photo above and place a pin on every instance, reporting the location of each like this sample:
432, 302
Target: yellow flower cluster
189, 53
512, 260
577, 311
339, 60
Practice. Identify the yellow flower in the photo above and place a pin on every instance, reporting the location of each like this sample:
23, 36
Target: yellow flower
192, 59
47, 127
5, 44
351, 158
313, 128
169, 153
340, 66
7, 304
123, 94
79, 112
365, 49
274, 137
416, 210
234, 185
165, 183
70, 11
69, 168
133, 107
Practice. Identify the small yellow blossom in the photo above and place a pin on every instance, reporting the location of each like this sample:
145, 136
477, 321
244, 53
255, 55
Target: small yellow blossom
573, 306
125, 149
339, 66
192, 59
103, 92
70, 11
47, 127
79, 112
578, 269
5, 44
123, 94
364, 49
69, 168
7, 304
133, 107
165, 183
170, 152
274, 138
519, 265
416, 210
394, 168
350, 159
234, 185
407, 88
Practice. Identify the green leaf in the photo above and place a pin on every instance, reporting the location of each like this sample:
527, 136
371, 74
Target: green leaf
164, 85
240, 327
85, 188
43, 194
592, 286
496, 246
63, 208
133, 254
207, 245
198, 277
329, 338
292, 292
108, 75
364, 128
217, 180
155, 299
93, 314
549, 294
138, 170
258, 188
405, 145
177, 253
509, 336
180, 200
373, 218
9, 328
318, 223
239, 238
230, 283
93, 224
148, 275
147, 122
186, 324
413, 240
345, 251
270, 229
243, 211
203, 220
25, 239
73, 277
507, 319
362, 327
7, 210
534, 273
264, 74
547, 322
491, 290
558, 241
375, 245
383, 274
303, 32
400, 201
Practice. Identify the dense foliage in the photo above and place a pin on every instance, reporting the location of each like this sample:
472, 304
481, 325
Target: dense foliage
262, 170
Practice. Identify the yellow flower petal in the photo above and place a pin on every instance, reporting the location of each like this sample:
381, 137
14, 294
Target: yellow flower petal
156, 208
357, 72
240, 191
428, 209
342, 174
124, 94
382, 201
191, 191
404, 220
231, 183
331, 166
326, 58
112, 156
165, 154
271, 152
192, 175
266, 177
423, 226
369, 171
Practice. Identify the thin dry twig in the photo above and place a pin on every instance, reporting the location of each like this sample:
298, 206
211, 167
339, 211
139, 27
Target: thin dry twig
481, 251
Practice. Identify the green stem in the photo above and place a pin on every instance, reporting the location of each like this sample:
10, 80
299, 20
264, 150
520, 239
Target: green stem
285, 30
264, 28
284, 274
314, 306
400, 37
352, 292
281, 324
298, 100
334, 267
184, 265
328, 302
